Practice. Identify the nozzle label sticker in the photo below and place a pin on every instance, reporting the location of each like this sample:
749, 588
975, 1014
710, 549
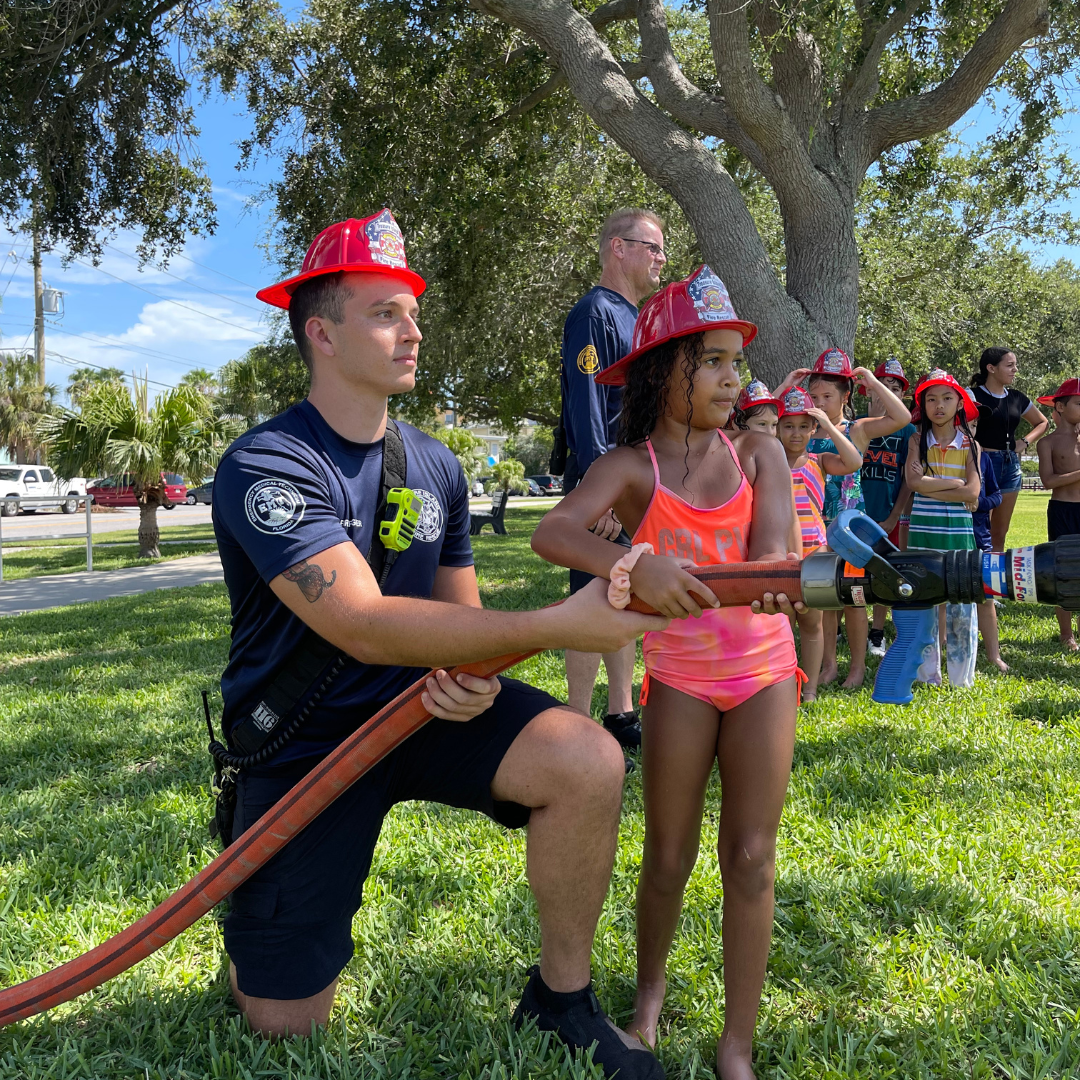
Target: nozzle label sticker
995, 572
1023, 575
858, 596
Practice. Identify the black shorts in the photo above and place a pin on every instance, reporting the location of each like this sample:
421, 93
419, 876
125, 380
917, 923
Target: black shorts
579, 579
1062, 518
289, 928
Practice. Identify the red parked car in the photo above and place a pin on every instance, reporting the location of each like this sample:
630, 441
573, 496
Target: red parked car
117, 490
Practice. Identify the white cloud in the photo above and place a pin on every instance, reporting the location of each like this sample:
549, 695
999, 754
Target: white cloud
161, 324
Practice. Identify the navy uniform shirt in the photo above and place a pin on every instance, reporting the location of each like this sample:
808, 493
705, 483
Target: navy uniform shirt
598, 332
289, 489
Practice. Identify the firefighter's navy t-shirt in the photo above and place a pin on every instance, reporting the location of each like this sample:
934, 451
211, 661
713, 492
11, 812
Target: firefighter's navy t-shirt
289, 489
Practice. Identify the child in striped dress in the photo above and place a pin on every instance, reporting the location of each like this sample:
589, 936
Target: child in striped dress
943, 472
797, 422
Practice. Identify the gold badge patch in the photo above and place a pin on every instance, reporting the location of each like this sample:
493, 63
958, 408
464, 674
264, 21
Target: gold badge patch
587, 361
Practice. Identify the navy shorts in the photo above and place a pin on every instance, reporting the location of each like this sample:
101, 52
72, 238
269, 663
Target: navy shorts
579, 579
1006, 466
289, 928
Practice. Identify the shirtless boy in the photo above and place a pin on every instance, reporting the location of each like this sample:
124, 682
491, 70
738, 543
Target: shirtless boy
1059, 470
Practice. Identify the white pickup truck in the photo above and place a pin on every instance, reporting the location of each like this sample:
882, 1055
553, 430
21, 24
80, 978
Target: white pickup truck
39, 483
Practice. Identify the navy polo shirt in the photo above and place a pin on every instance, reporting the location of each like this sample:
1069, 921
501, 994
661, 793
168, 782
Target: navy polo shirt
599, 331
289, 489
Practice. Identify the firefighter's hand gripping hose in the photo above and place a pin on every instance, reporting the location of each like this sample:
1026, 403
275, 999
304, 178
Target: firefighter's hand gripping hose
861, 570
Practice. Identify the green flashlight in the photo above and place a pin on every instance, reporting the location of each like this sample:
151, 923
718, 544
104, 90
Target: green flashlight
398, 526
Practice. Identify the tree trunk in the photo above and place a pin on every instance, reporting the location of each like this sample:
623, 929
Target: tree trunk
149, 534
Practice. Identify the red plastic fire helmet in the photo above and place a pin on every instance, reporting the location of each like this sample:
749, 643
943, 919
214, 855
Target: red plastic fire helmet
940, 377
755, 393
833, 361
796, 402
1069, 388
701, 302
373, 245
891, 369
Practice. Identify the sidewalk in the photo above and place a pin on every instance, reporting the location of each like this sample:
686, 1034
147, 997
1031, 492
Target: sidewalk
59, 590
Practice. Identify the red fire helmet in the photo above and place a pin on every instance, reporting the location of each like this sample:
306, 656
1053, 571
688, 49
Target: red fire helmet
940, 377
1068, 388
833, 361
373, 245
755, 393
701, 302
796, 402
891, 369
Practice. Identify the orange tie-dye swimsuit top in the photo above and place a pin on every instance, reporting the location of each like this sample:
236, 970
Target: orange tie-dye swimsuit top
729, 654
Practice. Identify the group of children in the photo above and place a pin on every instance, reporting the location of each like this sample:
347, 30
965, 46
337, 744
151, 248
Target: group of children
722, 684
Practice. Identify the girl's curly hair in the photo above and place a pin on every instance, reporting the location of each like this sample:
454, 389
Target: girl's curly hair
645, 397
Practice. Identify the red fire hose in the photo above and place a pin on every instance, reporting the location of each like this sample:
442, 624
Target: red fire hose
735, 585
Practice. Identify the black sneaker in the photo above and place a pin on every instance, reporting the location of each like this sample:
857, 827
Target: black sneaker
626, 727
579, 1022
875, 643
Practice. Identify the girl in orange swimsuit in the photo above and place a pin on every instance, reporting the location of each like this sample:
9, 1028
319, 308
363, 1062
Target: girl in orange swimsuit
722, 684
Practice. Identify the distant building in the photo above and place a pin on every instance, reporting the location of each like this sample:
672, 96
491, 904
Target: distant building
494, 440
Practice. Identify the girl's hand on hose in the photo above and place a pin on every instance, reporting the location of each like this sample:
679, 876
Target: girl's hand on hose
662, 582
461, 698
778, 604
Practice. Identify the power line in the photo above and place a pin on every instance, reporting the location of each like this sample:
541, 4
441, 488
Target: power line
103, 343
192, 284
18, 259
150, 292
247, 285
97, 367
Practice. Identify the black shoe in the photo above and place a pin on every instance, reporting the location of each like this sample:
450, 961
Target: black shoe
629, 765
626, 727
578, 1021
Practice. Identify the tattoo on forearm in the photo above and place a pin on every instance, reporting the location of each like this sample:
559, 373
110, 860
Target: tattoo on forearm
309, 577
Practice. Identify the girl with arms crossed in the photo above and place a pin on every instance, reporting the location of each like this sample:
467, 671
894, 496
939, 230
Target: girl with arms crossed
720, 686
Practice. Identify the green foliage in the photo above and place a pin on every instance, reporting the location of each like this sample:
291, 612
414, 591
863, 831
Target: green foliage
95, 123
23, 404
401, 104
509, 475
115, 432
927, 914
466, 447
81, 379
206, 382
532, 448
264, 382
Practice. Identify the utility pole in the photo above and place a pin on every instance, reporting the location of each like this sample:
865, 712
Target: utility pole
39, 312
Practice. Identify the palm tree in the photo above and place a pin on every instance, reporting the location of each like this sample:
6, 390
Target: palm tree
81, 379
116, 432
22, 405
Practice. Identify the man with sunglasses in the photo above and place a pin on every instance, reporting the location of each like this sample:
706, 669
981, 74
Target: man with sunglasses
598, 332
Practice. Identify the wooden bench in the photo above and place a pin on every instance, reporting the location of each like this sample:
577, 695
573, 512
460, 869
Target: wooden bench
493, 517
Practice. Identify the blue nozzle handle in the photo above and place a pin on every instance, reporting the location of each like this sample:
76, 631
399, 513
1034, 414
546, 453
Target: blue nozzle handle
852, 536
916, 632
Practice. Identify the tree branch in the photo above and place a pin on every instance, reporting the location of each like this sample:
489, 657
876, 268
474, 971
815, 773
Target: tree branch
862, 84
604, 15
796, 65
922, 115
687, 102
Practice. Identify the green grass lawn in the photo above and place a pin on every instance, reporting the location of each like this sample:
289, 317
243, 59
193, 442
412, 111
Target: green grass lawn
112, 551
927, 895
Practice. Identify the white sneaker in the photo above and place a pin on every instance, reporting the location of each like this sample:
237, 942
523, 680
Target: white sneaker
875, 649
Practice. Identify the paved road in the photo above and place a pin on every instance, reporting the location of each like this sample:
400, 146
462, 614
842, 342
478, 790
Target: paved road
51, 524
59, 590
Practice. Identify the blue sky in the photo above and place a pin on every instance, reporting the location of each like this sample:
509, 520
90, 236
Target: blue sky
201, 310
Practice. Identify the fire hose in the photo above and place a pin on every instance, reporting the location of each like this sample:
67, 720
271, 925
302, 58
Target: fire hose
862, 568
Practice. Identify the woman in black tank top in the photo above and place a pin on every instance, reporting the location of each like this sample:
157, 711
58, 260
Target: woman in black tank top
1001, 408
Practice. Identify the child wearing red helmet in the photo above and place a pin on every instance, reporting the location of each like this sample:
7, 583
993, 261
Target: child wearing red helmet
756, 409
797, 423
943, 472
830, 383
1059, 470
692, 495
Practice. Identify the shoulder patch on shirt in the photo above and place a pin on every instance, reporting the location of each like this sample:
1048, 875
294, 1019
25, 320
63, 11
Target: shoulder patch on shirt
429, 527
587, 361
274, 505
